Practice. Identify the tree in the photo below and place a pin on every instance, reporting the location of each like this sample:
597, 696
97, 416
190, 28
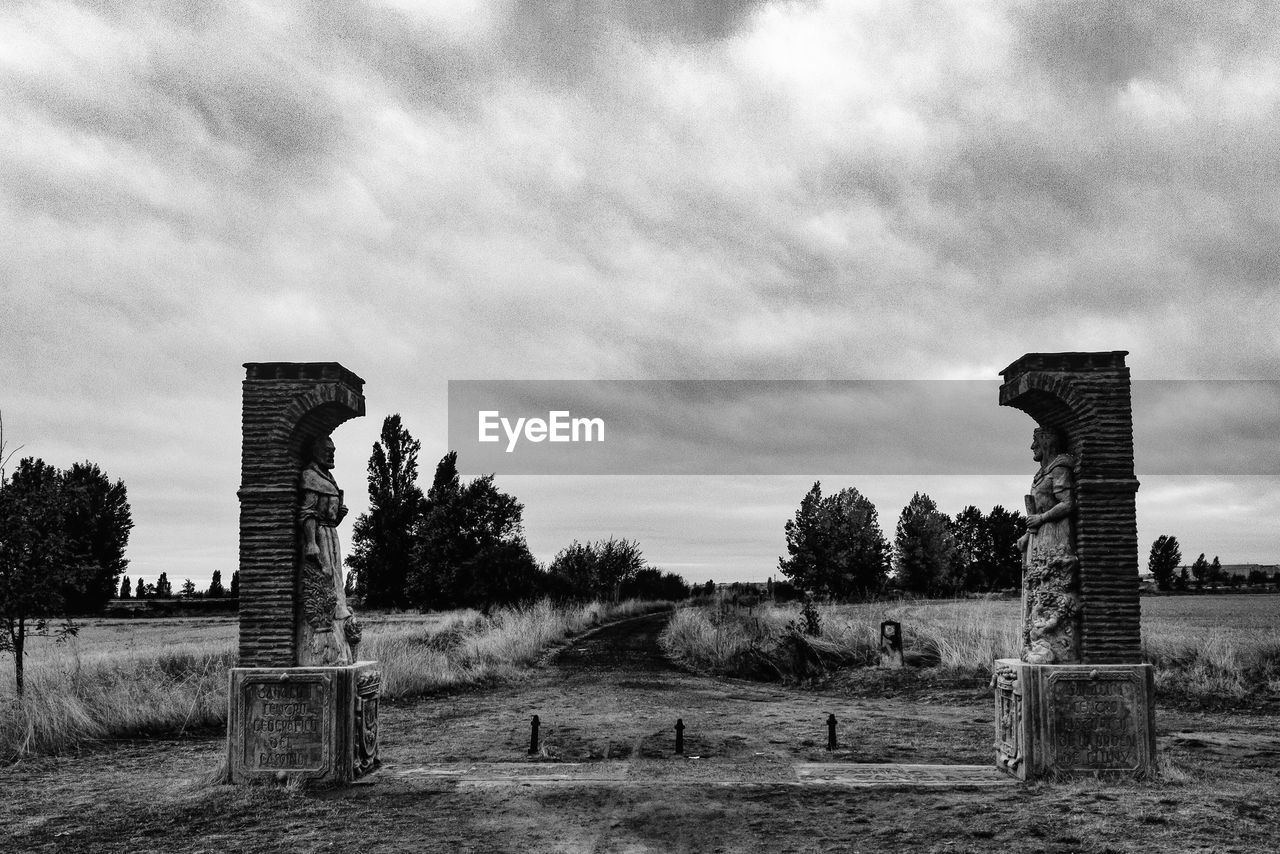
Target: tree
37, 565
125, 589
382, 540
835, 545
188, 589
164, 590
141, 590
6, 453
1199, 571
923, 547
234, 590
601, 569
98, 521
216, 590
469, 547
973, 568
652, 583
1216, 575
1005, 527
1182, 580
1164, 560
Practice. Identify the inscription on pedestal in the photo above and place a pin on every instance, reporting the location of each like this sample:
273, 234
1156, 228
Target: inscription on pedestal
286, 720
1094, 721
1073, 717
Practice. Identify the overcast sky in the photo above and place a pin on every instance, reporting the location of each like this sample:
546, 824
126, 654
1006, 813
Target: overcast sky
453, 190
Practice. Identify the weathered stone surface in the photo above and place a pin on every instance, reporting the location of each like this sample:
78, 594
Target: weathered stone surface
301, 707
1050, 588
890, 644
1063, 718
1085, 396
287, 406
312, 724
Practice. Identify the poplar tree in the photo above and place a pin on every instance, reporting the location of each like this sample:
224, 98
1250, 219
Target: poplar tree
1163, 561
382, 539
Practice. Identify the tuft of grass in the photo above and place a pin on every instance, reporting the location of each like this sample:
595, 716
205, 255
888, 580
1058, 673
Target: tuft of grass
73, 697
1212, 665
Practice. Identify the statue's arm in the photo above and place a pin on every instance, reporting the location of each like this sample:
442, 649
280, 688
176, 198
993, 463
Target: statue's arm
307, 515
1064, 495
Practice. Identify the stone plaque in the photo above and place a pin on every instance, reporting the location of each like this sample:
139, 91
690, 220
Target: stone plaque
1061, 718
1095, 720
310, 724
891, 644
286, 720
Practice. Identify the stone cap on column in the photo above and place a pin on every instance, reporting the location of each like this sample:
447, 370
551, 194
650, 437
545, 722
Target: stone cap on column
1075, 362
315, 371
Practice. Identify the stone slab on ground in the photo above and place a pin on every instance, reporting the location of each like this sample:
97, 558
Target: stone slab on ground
854, 774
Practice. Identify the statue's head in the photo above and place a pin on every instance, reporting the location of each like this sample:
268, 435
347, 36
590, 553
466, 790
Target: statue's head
1047, 443
322, 449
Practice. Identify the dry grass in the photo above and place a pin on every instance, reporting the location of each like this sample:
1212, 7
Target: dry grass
77, 693
1206, 649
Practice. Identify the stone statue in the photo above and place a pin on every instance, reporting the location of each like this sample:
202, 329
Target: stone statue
330, 633
1050, 603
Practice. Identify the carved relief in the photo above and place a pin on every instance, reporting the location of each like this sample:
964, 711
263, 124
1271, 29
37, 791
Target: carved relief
366, 723
1009, 723
1050, 603
330, 633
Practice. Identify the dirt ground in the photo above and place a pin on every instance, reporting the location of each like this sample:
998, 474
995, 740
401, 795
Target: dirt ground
457, 776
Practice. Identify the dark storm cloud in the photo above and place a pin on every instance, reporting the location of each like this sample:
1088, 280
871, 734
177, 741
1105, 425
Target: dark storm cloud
1104, 45
451, 189
568, 42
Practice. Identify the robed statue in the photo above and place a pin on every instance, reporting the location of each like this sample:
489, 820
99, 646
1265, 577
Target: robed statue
1050, 585
330, 634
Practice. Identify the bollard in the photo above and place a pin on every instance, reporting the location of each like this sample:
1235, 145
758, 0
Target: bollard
533, 737
831, 732
679, 735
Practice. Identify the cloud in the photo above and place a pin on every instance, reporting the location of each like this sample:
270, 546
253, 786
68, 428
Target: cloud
736, 190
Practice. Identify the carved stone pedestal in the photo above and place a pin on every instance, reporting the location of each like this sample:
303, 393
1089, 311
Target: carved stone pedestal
312, 724
1068, 718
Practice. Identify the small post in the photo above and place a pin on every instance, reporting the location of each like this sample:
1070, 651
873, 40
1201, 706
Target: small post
679, 735
831, 732
533, 736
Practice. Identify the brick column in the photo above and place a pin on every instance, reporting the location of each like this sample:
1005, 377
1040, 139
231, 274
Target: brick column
286, 406
1086, 396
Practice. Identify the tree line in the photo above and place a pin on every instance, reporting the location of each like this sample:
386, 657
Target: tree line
1164, 564
837, 549
462, 543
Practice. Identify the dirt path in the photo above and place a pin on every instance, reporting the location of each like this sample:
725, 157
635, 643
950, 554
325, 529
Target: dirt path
457, 777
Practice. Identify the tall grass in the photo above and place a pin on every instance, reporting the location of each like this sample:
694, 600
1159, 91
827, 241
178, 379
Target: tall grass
1207, 665
73, 697
1216, 665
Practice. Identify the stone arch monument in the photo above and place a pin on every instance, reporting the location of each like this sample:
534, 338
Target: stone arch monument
1077, 700
301, 705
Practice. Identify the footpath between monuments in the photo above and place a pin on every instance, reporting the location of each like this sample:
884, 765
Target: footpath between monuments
911, 772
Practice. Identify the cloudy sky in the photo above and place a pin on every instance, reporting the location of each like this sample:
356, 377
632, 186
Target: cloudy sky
684, 189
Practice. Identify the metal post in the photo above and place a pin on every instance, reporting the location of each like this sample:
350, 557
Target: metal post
831, 732
679, 735
533, 737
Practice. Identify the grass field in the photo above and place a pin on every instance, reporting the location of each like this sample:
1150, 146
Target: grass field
123, 678
1215, 650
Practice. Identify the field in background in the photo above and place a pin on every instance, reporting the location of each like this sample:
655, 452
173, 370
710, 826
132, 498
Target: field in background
125, 678
1215, 650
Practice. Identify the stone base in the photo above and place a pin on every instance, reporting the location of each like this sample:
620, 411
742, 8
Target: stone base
1069, 718
309, 724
